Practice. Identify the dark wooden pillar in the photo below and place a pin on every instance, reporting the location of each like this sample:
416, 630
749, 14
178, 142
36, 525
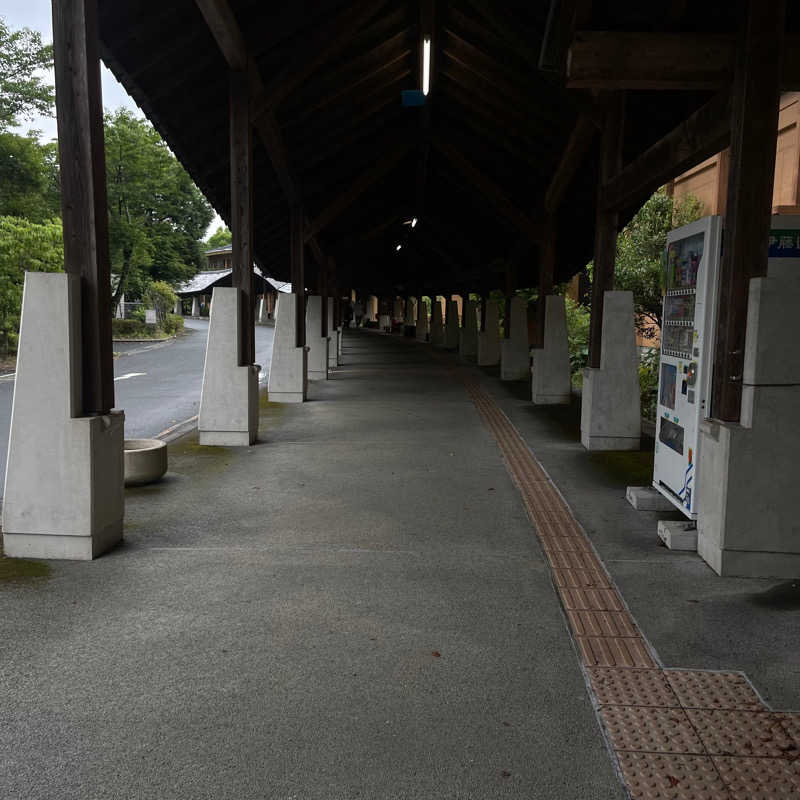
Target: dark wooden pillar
84, 209
754, 131
510, 289
606, 222
483, 311
296, 248
241, 142
323, 293
547, 270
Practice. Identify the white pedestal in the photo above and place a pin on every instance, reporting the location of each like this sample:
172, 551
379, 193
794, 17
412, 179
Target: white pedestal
385, 323
646, 498
411, 311
468, 340
514, 350
397, 310
452, 330
262, 316
678, 534
551, 382
333, 338
64, 477
422, 328
339, 336
489, 340
195, 307
610, 405
229, 400
437, 324
747, 519
317, 344
288, 372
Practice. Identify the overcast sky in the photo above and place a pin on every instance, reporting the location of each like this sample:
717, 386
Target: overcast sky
37, 15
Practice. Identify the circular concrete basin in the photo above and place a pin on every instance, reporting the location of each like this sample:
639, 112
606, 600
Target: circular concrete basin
145, 461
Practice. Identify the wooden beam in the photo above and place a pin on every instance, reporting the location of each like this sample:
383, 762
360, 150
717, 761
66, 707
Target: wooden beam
491, 191
356, 189
320, 46
662, 61
704, 133
241, 149
83, 192
571, 159
606, 224
225, 29
754, 132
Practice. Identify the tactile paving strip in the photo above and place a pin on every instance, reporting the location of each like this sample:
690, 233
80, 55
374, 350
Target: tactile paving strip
693, 734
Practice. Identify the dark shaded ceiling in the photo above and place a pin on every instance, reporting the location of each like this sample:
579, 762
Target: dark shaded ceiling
489, 104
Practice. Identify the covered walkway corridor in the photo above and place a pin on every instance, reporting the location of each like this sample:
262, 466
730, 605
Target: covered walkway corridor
367, 604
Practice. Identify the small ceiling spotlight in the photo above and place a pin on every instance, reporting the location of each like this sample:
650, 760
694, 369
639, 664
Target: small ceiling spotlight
414, 222
399, 247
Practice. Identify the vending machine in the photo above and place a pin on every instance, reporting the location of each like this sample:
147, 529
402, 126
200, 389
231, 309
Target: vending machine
691, 266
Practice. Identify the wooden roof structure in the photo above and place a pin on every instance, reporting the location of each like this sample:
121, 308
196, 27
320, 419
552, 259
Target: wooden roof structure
505, 150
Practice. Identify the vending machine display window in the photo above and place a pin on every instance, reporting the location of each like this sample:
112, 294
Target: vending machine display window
666, 388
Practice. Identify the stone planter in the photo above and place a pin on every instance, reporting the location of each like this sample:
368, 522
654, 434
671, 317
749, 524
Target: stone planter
145, 461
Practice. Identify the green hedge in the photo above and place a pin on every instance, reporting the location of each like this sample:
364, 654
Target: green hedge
136, 329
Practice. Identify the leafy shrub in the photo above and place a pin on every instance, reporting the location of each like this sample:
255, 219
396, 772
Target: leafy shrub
172, 324
648, 382
159, 295
578, 325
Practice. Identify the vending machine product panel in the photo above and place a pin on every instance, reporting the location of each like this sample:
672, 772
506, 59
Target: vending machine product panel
684, 385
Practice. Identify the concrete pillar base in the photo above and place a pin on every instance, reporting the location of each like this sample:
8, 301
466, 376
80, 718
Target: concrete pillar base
262, 315
195, 307
333, 338
437, 324
385, 323
610, 405
551, 382
451, 331
489, 340
515, 358
339, 337
229, 400
288, 381
468, 336
317, 345
64, 494
421, 332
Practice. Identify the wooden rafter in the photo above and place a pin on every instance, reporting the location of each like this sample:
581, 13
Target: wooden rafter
704, 133
357, 188
489, 189
571, 159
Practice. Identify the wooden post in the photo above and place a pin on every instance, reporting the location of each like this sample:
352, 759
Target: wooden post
241, 143
754, 131
483, 311
606, 222
547, 268
510, 289
296, 247
84, 210
322, 284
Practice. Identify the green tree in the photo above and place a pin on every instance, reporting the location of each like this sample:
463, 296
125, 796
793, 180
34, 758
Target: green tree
24, 246
640, 247
159, 296
29, 181
220, 238
157, 216
22, 92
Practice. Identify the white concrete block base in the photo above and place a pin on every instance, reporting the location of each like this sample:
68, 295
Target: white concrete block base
316, 343
421, 331
451, 328
437, 324
646, 498
64, 495
747, 520
489, 339
610, 404
288, 381
339, 337
468, 337
229, 399
515, 356
678, 534
551, 381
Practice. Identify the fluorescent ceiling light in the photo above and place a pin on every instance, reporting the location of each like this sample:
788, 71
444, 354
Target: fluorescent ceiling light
414, 222
426, 66
399, 247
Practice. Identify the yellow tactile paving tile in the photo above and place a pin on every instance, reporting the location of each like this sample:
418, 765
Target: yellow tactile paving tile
691, 734
671, 777
650, 730
605, 651
601, 623
631, 687
744, 733
759, 778
705, 689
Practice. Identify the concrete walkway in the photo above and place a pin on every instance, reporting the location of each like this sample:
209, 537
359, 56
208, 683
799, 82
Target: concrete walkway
359, 607
355, 607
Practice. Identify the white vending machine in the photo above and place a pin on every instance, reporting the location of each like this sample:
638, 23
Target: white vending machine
687, 352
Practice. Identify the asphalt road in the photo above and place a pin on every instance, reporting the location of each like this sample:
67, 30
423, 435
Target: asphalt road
158, 385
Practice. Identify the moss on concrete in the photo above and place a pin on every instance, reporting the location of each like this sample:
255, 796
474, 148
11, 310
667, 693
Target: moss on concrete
628, 468
21, 570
